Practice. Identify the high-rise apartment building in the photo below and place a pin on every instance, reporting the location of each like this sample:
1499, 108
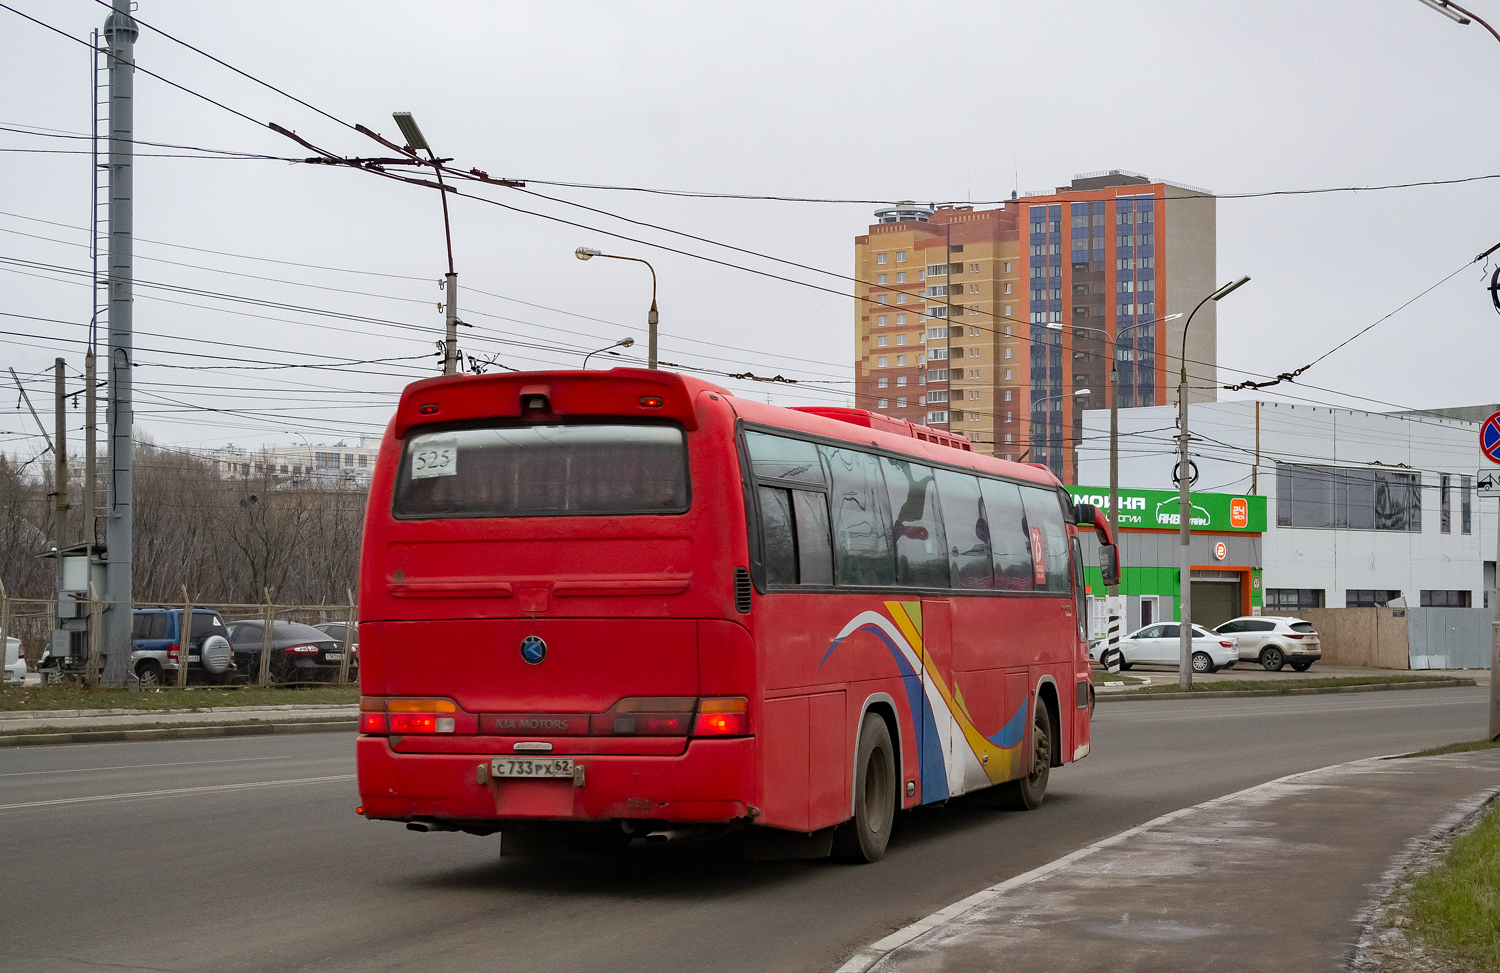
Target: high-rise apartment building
940, 329
1054, 285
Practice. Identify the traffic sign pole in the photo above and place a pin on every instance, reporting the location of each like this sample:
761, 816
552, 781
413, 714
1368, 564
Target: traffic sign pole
1489, 444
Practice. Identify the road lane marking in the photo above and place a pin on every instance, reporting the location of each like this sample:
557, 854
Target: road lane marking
178, 791
876, 951
174, 763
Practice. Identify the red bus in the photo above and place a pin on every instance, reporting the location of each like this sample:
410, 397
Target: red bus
631, 603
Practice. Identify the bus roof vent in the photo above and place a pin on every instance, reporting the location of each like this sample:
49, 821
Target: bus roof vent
900, 427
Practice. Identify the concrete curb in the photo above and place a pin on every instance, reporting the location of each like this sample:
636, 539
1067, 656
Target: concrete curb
1120, 697
176, 733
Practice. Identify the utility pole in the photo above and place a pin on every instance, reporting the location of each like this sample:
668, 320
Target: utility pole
60, 461
120, 32
90, 538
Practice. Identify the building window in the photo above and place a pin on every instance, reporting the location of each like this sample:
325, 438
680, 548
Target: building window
882, 404
1369, 598
900, 298
973, 268
901, 277
900, 359
1007, 312
880, 362
1007, 378
1293, 599
880, 278
880, 258
901, 257
938, 396
1010, 416
1465, 511
1007, 266
1350, 499
973, 352
921, 400
900, 381
1446, 599
900, 339
1008, 437
937, 417
881, 340
1007, 391
901, 402
882, 383
900, 319
880, 320
881, 299
1445, 507
973, 395
937, 270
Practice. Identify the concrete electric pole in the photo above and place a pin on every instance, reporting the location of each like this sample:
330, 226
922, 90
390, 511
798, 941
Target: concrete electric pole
120, 32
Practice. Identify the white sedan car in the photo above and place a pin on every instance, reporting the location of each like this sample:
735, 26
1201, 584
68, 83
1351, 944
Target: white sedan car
1162, 643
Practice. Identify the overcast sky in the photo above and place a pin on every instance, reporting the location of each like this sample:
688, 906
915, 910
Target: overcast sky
875, 100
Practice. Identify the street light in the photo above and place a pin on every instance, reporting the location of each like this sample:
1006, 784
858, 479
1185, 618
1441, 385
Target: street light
622, 343
1185, 508
415, 142
584, 253
1459, 15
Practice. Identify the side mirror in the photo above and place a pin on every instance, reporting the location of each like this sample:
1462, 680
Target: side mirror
1109, 563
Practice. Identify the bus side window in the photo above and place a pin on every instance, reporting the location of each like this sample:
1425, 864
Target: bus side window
968, 533
780, 538
814, 551
860, 519
1080, 599
1042, 510
795, 528
921, 548
1009, 538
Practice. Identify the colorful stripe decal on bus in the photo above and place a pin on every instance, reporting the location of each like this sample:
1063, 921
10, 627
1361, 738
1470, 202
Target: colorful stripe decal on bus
955, 756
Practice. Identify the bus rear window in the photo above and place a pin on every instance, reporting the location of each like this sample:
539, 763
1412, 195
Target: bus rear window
544, 471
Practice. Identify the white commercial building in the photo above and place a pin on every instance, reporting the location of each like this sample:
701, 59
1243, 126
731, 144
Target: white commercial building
1363, 508
301, 461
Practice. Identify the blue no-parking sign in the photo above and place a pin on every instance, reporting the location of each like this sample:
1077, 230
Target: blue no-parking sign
1489, 438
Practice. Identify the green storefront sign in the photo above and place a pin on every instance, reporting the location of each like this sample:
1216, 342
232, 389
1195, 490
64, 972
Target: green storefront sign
1161, 509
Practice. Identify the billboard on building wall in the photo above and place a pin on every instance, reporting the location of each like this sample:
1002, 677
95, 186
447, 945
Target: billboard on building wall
1159, 509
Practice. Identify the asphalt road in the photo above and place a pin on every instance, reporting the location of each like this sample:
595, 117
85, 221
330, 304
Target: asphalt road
245, 854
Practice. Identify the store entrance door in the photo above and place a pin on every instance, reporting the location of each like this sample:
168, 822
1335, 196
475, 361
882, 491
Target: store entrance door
1215, 602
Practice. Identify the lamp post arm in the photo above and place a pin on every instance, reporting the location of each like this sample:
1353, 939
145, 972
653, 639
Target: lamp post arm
1183, 359
1476, 18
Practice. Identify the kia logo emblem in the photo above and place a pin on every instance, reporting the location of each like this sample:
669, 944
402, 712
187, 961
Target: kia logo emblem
533, 649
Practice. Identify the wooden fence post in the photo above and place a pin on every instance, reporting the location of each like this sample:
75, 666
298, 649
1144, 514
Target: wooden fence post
184, 638
265, 641
96, 622
349, 639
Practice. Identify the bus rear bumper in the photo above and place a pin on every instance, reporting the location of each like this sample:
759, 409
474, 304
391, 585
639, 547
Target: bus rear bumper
710, 782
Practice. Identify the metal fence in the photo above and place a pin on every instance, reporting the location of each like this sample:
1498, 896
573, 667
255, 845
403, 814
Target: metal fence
267, 653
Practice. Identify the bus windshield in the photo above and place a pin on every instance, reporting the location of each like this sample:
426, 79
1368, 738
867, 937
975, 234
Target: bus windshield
569, 470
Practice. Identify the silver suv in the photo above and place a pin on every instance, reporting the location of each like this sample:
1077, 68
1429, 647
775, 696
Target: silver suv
1274, 641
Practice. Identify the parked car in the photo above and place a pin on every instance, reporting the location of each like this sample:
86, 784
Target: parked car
336, 630
15, 666
156, 648
1161, 644
1274, 641
299, 653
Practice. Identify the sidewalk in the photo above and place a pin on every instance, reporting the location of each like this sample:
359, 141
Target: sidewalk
1277, 877
19, 721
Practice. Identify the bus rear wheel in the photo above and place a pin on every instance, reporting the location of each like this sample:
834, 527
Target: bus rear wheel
864, 838
1028, 793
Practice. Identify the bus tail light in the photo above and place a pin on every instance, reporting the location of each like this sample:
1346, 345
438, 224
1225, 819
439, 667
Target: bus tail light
646, 716
723, 717
406, 715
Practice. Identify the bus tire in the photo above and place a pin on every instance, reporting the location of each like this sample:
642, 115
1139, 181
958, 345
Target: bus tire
1027, 793
864, 838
